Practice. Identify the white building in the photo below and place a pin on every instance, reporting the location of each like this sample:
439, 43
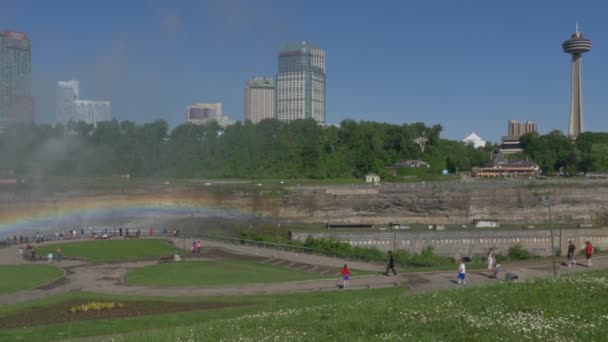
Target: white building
475, 140
372, 178
300, 88
71, 108
260, 99
92, 112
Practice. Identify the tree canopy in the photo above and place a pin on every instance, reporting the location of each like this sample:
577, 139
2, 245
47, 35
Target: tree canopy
269, 149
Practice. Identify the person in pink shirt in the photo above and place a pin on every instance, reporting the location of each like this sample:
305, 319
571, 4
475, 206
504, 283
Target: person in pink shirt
198, 247
345, 276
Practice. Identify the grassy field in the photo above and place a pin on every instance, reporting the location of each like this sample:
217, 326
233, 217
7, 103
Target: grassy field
112, 250
210, 273
15, 278
570, 308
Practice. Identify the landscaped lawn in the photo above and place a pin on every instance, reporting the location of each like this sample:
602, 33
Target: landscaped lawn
15, 278
212, 273
570, 308
112, 250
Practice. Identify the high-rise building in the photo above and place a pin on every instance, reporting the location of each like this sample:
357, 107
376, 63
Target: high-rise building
517, 129
67, 94
576, 46
300, 90
16, 101
71, 108
259, 99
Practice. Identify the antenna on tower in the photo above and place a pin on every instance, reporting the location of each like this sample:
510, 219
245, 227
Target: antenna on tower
577, 26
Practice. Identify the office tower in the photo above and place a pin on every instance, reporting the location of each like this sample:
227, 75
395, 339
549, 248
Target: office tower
16, 101
300, 89
259, 99
576, 46
71, 108
516, 129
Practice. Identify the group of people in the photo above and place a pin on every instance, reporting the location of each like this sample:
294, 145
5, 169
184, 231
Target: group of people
196, 247
572, 251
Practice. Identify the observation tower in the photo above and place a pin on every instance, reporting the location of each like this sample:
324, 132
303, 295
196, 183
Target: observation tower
576, 46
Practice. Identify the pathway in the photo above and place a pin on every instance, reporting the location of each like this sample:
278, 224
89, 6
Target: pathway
107, 278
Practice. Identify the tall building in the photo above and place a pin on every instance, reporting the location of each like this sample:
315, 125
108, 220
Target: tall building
300, 89
516, 129
16, 101
71, 108
67, 94
259, 99
576, 46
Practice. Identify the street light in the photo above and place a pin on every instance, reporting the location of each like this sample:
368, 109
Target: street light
546, 201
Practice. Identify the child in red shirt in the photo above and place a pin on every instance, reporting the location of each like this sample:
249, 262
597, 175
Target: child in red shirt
589, 252
345, 276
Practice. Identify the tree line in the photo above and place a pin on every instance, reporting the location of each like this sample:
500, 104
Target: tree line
556, 152
268, 149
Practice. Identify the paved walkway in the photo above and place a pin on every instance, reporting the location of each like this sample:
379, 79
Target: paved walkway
107, 278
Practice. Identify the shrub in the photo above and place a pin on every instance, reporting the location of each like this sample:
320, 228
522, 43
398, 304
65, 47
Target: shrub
517, 252
96, 306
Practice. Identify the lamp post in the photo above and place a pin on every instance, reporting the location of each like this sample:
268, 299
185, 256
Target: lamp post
547, 203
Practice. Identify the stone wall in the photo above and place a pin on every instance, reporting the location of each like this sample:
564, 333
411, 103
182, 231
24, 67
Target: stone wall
469, 242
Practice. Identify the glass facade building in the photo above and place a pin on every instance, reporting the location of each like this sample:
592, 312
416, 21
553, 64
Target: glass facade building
16, 101
300, 84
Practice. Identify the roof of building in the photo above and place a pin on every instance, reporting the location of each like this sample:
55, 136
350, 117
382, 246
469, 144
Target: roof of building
261, 82
299, 46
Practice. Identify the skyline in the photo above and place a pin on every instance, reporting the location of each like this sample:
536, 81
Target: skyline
474, 67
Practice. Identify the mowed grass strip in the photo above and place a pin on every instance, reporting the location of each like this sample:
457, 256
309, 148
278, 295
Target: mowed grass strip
213, 273
112, 250
15, 278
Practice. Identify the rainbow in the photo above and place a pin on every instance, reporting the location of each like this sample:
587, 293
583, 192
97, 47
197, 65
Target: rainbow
73, 213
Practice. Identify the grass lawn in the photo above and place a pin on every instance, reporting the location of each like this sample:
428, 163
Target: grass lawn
570, 308
15, 278
212, 273
112, 250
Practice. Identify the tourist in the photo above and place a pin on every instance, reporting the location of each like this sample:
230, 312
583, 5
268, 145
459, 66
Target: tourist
150, 232
491, 262
588, 252
462, 272
198, 247
50, 257
59, 254
21, 251
33, 254
127, 231
391, 264
119, 231
345, 276
193, 247
174, 232
177, 233
81, 233
571, 251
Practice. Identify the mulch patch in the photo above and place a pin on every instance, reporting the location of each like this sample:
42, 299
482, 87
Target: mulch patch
60, 312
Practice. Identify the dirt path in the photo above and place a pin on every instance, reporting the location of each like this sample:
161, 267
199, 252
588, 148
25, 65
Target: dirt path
107, 278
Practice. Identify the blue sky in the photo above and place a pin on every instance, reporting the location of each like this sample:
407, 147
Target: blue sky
468, 65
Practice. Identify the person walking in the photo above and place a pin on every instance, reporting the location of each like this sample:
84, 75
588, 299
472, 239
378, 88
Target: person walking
462, 273
59, 254
391, 264
491, 263
571, 251
345, 276
50, 257
588, 252
198, 247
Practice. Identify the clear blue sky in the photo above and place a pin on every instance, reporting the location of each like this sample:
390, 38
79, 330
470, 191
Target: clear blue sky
468, 65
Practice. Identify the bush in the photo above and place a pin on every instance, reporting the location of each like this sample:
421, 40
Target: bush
518, 253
